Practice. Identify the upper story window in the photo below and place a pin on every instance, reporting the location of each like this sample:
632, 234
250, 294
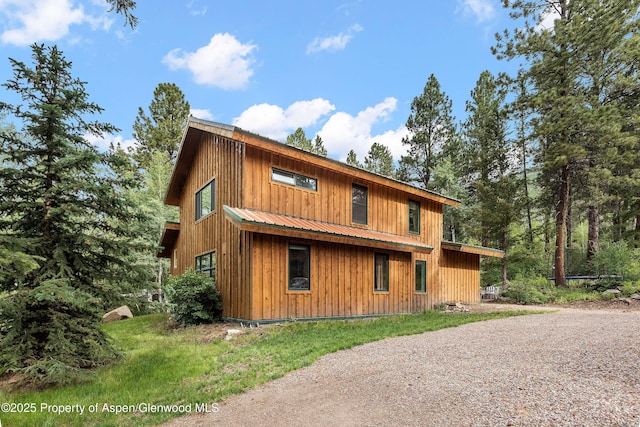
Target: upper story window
414, 217
359, 203
294, 179
206, 200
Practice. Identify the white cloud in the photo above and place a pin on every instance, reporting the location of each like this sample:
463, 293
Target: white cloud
341, 132
483, 10
102, 143
201, 114
29, 21
196, 10
344, 132
334, 43
275, 122
548, 19
224, 63
38, 20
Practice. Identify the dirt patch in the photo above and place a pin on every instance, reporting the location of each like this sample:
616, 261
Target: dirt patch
621, 304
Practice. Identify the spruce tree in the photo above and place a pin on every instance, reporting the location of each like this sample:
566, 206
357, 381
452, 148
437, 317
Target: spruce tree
63, 205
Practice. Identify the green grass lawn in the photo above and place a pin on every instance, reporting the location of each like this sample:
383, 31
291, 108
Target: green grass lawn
179, 367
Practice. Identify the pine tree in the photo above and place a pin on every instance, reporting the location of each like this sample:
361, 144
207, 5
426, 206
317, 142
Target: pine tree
352, 159
379, 160
318, 147
573, 68
162, 129
488, 152
431, 129
299, 140
62, 203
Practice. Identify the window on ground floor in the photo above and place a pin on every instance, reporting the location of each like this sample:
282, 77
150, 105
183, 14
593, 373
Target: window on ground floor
206, 264
381, 279
299, 267
421, 276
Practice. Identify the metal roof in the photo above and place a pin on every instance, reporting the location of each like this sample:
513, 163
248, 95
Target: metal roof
471, 249
289, 226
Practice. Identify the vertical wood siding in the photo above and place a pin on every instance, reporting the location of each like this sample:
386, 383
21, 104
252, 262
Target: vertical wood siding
388, 211
341, 282
252, 268
460, 277
220, 158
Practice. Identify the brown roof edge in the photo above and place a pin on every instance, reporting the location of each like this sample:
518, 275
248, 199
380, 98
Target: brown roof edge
168, 239
471, 249
187, 151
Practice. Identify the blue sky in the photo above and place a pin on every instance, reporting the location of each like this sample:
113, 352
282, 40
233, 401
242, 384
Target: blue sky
347, 70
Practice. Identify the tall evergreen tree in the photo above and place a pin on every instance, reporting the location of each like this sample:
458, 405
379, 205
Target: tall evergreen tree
379, 160
572, 66
432, 131
62, 203
352, 159
554, 75
488, 152
299, 140
162, 129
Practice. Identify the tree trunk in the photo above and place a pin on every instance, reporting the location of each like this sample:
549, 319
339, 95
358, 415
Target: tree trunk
593, 238
505, 242
527, 201
561, 222
569, 222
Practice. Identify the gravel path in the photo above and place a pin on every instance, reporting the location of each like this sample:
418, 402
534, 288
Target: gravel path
569, 368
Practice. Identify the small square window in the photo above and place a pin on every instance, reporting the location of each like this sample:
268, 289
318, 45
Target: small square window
299, 268
414, 217
381, 279
421, 276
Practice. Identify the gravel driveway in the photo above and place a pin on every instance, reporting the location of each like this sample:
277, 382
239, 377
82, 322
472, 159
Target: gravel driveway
569, 368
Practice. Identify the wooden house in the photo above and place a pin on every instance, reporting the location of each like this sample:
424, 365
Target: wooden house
289, 234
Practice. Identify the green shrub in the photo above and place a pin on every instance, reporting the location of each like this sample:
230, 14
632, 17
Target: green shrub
617, 258
193, 298
528, 290
630, 287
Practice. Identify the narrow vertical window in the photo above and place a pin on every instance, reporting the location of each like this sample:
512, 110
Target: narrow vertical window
421, 276
381, 279
299, 269
414, 217
206, 200
359, 204
175, 258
